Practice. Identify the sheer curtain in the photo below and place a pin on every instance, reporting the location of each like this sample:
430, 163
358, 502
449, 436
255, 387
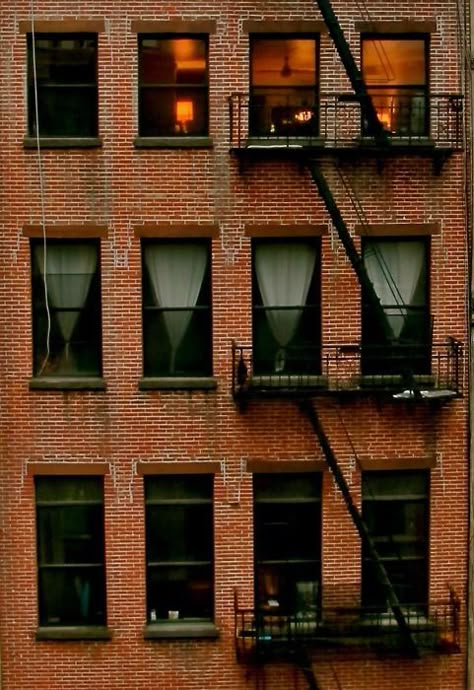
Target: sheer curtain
69, 273
396, 269
176, 273
284, 272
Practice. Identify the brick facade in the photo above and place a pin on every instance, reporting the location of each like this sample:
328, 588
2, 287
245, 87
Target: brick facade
119, 192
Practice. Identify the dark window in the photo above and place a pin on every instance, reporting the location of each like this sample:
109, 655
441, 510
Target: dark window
176, 308
70, 532
398, 269
66, 71
286, 306
395, 69
287, 515
68, 342
283, 86
173, 86
179, 546
395, 509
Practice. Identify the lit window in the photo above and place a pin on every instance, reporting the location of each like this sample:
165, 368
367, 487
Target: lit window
179, 547
284, 86
395, 510
173, 86
395, 70
287, 520
286, 307
66, 326
176, 308
398, 270
66, 71
71, 572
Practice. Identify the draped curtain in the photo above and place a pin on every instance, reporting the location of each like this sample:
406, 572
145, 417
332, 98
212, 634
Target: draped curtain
176, 274
284, 272
396, 270
69, 273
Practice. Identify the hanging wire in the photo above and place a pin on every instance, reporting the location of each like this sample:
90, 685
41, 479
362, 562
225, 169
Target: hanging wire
41, 184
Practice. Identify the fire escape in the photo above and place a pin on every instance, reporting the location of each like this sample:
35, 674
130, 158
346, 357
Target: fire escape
346, 367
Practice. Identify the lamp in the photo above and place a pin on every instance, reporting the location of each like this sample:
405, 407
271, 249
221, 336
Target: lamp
184, 113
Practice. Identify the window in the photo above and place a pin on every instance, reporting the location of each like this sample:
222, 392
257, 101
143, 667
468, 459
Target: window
67, 272
286, 307
395, 69
287, 515
283, 86
398, 269
176, 308
179, 546
395, 509
66, 70
70, 534
173, 86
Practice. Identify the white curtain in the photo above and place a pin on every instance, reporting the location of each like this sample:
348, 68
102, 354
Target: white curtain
69, 272
284, 272
176, 273
395, 269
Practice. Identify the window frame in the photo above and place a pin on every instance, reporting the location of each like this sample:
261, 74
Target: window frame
372, 594
206, 504
180, 133
43, 86
91, 311
312, 341
97, 526
203, 306
284, 570
425, 88
306, 128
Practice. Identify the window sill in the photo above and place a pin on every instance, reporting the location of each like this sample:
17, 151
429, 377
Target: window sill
176, 383
63, 142
167, 630
173, 142
74, 632
68, 383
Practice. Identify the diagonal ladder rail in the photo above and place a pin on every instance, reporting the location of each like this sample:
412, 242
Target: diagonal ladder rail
409, 642
353, 72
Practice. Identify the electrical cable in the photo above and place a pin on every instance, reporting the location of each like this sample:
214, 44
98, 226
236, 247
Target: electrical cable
41, 184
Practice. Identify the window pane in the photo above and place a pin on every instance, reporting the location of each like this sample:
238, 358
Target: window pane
176, 309
179, 544
66, 75
283, 62
173, 86
72, 344
395, 509
70, 537
394, 62
287, 558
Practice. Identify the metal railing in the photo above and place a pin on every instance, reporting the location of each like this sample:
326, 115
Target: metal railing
261, 634
404, 371
334, 121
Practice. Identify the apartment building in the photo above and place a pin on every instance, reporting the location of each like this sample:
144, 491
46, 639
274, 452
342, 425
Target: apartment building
234, 256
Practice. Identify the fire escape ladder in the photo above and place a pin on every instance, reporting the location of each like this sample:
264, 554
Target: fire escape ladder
303, 661
355, 77
352, 254
408, 640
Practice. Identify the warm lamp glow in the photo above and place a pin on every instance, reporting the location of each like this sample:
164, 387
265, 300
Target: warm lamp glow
184, 111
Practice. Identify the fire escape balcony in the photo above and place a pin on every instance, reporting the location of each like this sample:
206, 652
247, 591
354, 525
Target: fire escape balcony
262, 635
428, 124
401, 372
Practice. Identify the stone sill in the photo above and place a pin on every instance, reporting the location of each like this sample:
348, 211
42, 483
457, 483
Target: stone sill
74, 632
171, 630
177, 383
68, 383
172, 142
63, 142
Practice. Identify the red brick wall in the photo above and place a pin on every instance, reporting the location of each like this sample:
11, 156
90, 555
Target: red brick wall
120, 187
